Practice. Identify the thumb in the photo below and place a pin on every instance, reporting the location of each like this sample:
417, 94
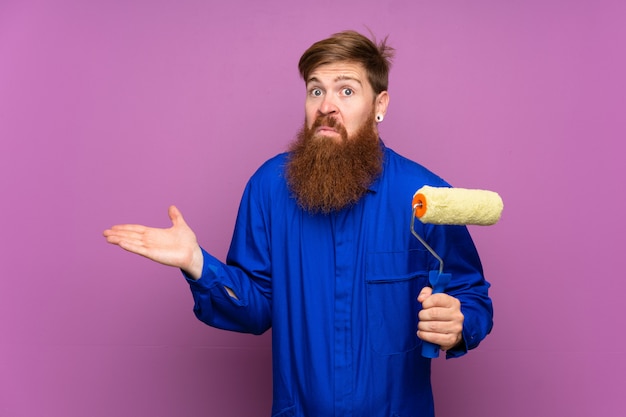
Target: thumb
175, 216
424, 294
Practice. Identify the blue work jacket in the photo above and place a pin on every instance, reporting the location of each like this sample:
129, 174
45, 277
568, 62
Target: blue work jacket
339, 292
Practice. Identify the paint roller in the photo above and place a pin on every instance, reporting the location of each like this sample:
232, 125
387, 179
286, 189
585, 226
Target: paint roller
451, 206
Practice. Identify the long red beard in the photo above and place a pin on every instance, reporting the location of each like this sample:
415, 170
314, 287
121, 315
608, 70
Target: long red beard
325, 175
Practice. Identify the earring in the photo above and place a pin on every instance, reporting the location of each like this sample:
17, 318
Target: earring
379, 118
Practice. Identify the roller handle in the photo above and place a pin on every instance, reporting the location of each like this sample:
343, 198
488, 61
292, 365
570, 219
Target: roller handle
439, 282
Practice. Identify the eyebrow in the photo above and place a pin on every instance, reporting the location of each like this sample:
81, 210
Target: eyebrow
338, 78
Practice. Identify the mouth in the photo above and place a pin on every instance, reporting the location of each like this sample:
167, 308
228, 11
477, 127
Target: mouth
326, 130
326, 127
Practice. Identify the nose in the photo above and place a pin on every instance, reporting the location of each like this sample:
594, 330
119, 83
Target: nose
328, 106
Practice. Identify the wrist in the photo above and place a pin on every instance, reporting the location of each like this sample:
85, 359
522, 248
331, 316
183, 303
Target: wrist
194, 270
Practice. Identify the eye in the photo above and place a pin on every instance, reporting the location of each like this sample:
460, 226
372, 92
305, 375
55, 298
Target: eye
347, 92
316, 92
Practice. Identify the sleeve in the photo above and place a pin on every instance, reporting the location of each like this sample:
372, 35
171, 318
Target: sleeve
246, 273
455, 246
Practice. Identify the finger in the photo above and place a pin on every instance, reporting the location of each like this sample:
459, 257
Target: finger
440, 319
429, 326
441, 327
445, 340
117, 234
129, 240
433, 314
122, 228
445, 327
441, 300
124, 240
133, 247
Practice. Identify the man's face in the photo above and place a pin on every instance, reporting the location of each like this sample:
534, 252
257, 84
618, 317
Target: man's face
337, 154
341, 91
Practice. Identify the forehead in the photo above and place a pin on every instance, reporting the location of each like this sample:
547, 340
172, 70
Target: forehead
339, 71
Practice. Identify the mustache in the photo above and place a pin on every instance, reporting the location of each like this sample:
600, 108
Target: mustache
326, 120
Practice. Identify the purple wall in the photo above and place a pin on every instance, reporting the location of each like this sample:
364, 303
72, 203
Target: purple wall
112, 110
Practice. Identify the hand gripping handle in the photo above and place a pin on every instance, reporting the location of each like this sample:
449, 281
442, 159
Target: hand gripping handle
439, 281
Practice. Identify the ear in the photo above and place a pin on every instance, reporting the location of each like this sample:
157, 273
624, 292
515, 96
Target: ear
381, 103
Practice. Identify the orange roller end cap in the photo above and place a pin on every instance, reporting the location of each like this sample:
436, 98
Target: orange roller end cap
419, 204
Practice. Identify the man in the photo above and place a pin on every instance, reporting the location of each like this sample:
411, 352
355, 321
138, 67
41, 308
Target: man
322, 252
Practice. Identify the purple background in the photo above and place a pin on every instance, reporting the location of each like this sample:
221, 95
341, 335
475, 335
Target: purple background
112, 110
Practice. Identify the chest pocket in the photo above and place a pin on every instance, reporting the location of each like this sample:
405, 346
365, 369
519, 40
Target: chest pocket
393, 280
